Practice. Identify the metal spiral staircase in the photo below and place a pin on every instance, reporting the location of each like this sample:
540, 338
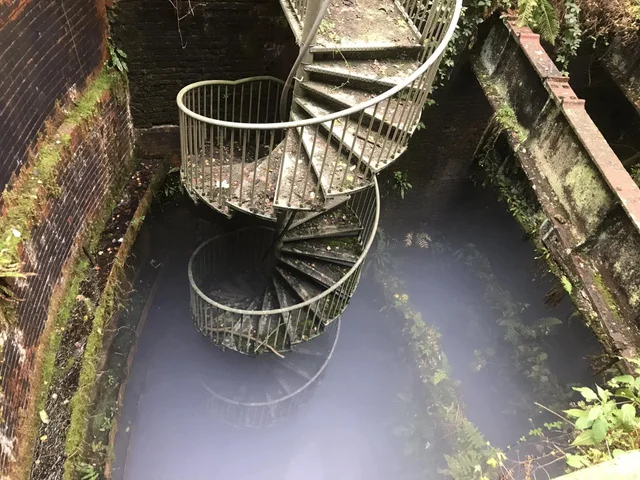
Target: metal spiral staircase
310, 177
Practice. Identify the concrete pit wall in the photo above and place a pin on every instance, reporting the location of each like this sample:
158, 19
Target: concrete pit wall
588, 204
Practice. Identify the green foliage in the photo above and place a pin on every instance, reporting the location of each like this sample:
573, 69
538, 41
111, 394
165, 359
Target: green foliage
570, 34
401, 183
26, 198
88, 472
117, 58
541, 17
526, 337
606, 421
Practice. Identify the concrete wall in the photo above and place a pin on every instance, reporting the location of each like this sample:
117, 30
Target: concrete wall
590, 204
47, 48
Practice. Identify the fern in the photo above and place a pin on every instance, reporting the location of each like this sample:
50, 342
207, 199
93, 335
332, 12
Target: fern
540, 16
527, 10
547, 22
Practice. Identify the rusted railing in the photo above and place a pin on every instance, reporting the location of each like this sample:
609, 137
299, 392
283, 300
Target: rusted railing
255, 331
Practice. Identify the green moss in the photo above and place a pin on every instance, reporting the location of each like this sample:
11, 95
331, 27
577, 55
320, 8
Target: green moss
25, 201
47, 370
506, 117
108, 305
587, 191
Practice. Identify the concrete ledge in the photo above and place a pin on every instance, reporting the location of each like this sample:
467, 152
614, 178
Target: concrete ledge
591, 203
625, 467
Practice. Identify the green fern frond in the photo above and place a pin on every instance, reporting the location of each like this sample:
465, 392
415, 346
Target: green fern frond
527, 9
547, 22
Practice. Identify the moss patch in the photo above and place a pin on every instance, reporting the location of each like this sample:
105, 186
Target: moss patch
587, 191
25, 201
108, 305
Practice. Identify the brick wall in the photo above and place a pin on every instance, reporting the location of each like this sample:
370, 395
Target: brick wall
46, 48
99, 150
222, 39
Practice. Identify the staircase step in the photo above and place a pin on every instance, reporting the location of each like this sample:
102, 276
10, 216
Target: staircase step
323, 311
329, 204
339, 98
286, 298
374, 76
366, 52
377, 23
325, 273
297, 178
375, 151
308, 322
339, 222
268, 324
255, 193
335, 167
344, 251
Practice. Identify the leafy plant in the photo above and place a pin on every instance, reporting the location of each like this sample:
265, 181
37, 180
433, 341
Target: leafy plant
571, 34
606, 421
88, 472
117, 58
540, 16
401, 182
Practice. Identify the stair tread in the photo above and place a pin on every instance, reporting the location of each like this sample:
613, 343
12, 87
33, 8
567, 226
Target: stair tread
297, 178
255, 193
340, 174
340, 221
347, 97
325, 273
286, 299
308, 322
345, 251
377, 23
387, 72
267, 323
329, 204
374, 150
321, 312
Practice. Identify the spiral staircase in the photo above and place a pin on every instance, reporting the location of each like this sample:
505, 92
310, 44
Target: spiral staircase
308, 180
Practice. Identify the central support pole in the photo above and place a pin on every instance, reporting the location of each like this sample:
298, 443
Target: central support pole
311, 13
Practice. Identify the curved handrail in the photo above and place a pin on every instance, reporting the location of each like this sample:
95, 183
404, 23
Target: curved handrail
435, 55
298, 306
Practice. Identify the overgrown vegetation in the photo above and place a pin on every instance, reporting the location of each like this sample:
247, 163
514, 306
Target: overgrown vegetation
400, 183
469, 450
26, 199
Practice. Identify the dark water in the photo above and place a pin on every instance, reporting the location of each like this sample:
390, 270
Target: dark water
346, 427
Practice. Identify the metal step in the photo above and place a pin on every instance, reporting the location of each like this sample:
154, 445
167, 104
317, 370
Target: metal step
372, 76
363, 144
382, 118
329, 204
336, 167
338, 222
327, 250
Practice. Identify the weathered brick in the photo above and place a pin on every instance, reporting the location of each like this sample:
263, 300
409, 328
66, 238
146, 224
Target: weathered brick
99, 151
222, 39
46, 49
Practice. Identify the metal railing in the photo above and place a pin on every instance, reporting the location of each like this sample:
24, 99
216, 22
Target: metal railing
255, 331
300, 9
424, 16
216, 146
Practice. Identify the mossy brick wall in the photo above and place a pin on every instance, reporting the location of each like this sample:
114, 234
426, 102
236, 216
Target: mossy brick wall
221, 39
47, 47
94, 161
